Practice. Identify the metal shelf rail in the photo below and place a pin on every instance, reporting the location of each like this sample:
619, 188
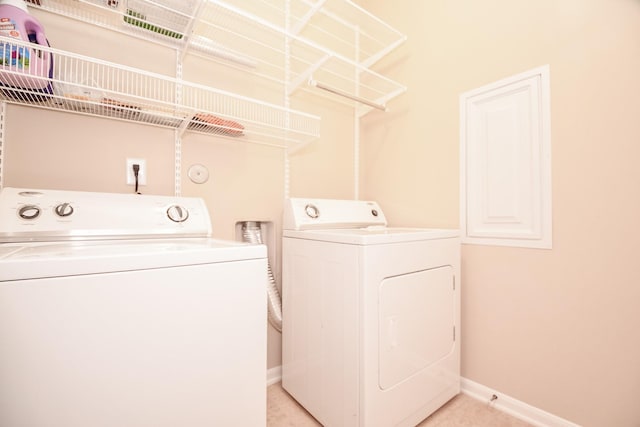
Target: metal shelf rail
331, 44
94, 87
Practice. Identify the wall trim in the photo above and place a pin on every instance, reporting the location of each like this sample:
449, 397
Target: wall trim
274, 375
513, 407
504, 403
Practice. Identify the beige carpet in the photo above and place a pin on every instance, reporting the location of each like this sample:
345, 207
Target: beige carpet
461, 411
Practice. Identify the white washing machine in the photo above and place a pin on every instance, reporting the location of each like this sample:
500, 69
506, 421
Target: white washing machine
119, 310
371, 315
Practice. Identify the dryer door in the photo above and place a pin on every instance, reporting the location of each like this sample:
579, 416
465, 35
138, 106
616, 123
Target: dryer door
416, 323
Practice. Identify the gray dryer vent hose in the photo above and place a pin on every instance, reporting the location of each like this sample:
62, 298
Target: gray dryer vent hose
251, 233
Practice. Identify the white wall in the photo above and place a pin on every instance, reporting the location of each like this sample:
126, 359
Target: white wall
556, 328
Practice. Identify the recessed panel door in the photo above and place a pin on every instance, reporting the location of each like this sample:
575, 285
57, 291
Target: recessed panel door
416, 323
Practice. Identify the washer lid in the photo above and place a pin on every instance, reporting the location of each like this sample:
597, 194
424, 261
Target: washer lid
373, 235
19, 261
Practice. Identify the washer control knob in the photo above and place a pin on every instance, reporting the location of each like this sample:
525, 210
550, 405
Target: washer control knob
63, 210
374, 212
312, 211
177, 213
29, 212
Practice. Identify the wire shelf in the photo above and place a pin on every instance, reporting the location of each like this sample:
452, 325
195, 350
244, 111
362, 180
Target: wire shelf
294, 42
85, 85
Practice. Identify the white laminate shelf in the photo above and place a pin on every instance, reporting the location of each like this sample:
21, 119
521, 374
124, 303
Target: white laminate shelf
303, 44
93, 87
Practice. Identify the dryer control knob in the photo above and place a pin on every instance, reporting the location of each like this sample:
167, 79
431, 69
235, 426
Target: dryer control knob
29, 212
177, 213
63, 210
312, 211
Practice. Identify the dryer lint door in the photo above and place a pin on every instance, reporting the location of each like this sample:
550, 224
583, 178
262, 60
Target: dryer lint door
416, 323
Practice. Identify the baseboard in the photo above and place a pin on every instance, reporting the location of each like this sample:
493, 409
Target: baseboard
513, 407
274, 375
504, 403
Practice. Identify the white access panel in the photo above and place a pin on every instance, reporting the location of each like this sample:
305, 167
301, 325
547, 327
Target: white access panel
505, 162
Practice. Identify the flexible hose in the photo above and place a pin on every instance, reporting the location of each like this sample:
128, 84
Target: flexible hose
251, 233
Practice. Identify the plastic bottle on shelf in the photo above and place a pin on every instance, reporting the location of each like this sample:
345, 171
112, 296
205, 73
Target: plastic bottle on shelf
22, 64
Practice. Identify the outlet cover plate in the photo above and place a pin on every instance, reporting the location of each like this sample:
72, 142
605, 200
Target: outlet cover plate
142, 173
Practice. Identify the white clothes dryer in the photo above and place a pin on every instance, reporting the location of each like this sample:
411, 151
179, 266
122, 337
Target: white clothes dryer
120, 310
371, 314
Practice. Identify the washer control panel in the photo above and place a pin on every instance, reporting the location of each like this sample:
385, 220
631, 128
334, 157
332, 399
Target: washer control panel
52, 215
305, 214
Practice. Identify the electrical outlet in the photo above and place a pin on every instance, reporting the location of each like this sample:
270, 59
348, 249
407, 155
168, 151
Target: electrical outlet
142, 173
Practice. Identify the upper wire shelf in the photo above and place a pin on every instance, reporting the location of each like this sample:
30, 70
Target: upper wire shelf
293, 42
53, 79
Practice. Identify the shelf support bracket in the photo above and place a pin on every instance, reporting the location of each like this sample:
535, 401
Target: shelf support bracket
375, 58
307, 17
188, 33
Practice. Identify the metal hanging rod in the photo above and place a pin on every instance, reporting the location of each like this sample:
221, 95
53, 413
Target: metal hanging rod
339, 92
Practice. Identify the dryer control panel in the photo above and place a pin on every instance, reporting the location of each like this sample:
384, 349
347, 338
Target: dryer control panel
310, 214
54, 215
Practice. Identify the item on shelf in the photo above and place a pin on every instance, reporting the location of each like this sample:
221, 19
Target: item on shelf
119, 108
166, 118
75, 102
213, 124
169, 18
26, 72
111, 3
77, 93
140, 20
